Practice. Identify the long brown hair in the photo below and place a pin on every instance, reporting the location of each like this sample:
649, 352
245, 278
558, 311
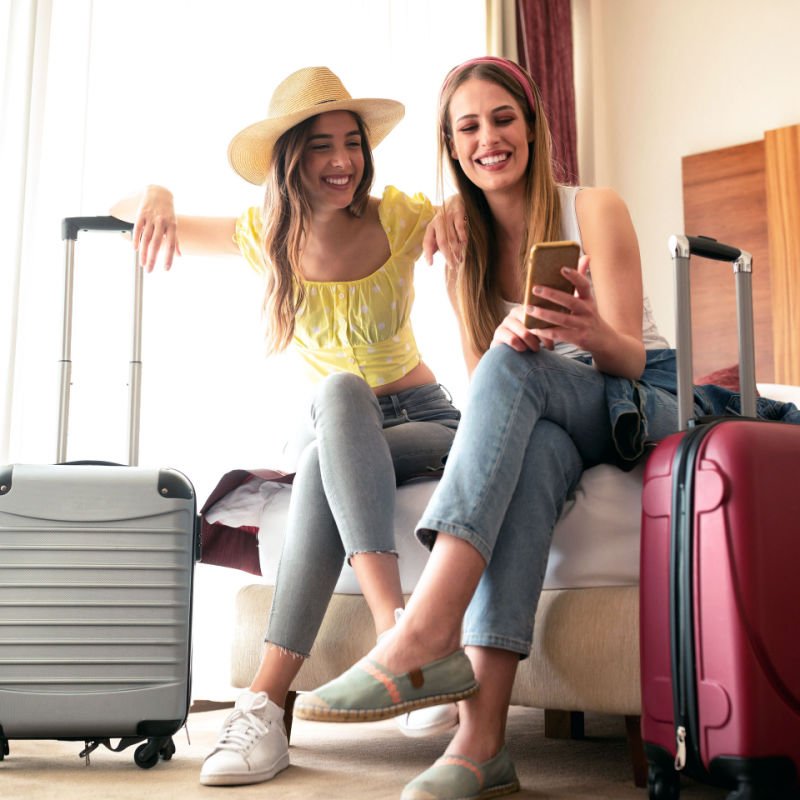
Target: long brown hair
287, 216
476, 285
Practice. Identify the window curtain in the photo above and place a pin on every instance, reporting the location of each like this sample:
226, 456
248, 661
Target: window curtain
43, 58
501, 29
24, 44
544, 45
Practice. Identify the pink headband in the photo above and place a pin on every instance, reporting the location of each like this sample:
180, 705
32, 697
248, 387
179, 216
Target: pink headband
509, 66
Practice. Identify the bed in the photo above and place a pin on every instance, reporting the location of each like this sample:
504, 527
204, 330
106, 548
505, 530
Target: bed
585, 655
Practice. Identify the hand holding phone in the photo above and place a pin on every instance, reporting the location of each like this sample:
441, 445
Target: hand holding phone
544, 264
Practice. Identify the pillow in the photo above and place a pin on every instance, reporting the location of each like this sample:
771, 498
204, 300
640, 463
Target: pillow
727, 378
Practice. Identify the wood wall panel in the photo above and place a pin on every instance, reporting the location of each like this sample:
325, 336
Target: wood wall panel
724, 196
782, 152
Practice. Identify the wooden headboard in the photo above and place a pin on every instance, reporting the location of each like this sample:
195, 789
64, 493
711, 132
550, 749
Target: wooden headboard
748, 196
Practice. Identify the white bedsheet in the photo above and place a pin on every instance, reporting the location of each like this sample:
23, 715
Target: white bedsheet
595, 543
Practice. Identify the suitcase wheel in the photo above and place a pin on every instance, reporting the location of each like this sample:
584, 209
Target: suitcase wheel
662, 784
168, 750
146, 755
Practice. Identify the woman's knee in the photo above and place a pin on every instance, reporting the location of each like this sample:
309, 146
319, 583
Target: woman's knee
500, 374
553, 458
342, 389
309, 458
554, 443
506, 360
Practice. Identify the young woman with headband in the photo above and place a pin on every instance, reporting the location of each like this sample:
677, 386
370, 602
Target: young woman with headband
538, 415
338, 266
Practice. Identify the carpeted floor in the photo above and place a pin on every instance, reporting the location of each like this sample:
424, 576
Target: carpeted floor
347, 762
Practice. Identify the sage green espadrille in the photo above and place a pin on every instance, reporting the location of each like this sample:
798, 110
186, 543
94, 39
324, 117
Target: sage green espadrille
368, 691
460, 778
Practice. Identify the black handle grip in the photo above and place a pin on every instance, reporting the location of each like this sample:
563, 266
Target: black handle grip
72, 225
89, 464
706, 247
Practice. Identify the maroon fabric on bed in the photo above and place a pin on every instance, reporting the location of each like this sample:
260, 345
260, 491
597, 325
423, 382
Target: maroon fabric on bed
223, 545
727, 377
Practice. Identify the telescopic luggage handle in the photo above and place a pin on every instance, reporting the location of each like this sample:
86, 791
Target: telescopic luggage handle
70, 228
681, 249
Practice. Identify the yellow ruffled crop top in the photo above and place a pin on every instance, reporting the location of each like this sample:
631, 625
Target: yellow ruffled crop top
361, 326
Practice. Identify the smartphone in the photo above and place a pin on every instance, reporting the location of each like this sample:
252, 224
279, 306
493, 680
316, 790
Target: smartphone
545, 261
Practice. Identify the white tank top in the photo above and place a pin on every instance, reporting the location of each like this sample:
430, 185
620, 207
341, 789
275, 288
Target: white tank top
571, 230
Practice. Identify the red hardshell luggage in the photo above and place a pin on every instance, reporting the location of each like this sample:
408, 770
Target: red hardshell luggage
720, 582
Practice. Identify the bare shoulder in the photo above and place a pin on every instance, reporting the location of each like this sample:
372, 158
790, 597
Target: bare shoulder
368, 228
373, 204
605, 221
599, 201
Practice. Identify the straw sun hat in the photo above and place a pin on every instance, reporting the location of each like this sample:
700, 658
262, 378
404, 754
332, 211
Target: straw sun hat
305, 94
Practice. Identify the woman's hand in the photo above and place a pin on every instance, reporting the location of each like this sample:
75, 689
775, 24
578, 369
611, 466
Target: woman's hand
512, 331
579, 323
447, 232
156, 225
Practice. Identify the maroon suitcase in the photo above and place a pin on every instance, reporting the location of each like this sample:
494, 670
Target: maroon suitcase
720, 584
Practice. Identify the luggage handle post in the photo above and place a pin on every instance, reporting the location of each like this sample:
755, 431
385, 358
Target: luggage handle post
681, 248
70, 228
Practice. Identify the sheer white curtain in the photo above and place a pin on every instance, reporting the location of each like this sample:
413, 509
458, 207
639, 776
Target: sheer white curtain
103, 96
45, 61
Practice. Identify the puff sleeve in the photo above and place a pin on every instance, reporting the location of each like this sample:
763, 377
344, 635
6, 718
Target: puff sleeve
248, 236
405, 218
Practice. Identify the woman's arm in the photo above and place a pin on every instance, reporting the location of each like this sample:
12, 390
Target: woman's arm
604, 317
610, 241
156, 225
447, 231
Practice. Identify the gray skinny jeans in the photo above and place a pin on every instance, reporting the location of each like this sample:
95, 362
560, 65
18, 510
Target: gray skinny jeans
360, 448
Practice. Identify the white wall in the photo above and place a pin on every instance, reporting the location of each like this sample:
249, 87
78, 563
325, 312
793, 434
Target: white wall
662, 79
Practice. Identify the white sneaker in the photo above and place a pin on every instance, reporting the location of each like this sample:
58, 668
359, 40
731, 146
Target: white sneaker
252, 746
429, 721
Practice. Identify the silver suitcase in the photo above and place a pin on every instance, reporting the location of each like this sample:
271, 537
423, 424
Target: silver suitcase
96, 570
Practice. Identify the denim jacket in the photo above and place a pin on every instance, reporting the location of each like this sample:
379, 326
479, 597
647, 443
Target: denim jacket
630, 404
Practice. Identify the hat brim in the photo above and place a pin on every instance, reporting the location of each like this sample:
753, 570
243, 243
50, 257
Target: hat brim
250, 151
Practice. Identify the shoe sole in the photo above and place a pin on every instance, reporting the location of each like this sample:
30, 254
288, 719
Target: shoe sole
318, 714
500, 791
494, 791
240, 779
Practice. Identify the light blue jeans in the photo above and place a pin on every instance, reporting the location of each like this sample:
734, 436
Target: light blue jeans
534, 422
358, 448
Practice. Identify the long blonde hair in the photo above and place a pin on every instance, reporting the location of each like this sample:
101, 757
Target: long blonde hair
477, 288
287, 216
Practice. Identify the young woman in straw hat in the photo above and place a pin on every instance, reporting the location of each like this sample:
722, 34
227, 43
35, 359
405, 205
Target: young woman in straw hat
338, 266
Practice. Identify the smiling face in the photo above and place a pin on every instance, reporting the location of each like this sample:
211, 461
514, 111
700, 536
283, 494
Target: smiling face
332, 165
490, 136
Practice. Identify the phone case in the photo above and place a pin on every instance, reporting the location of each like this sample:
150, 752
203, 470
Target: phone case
544, 268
